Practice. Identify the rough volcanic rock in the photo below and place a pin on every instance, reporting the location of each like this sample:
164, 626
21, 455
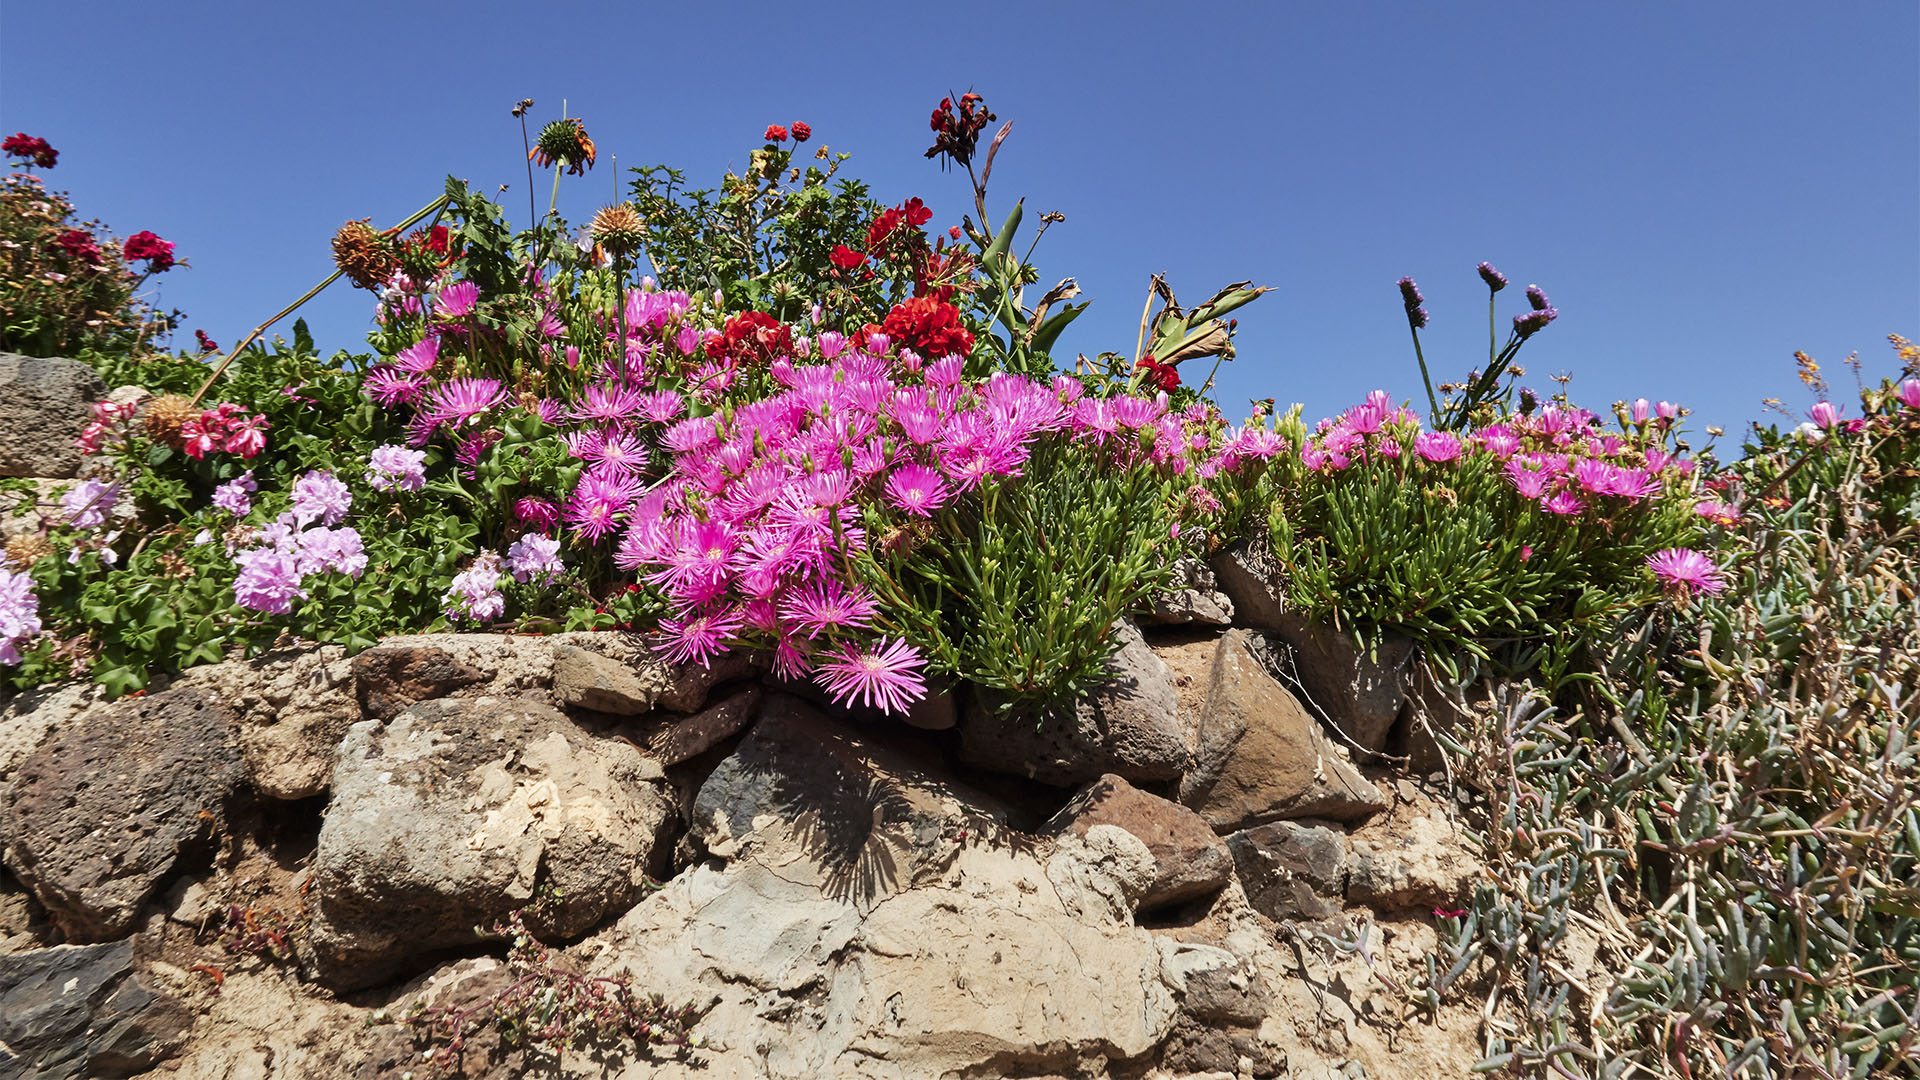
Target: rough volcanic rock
1358, 689
1292, 869
687, 738
691, 683
1251, 579
1423, 863
100, 811
1129, 725
1261, 756
1191, 596
294, 706
969, 952
455, 813
388, 678
30, 714
44, 403
589, 680
84, 1010
1190, 861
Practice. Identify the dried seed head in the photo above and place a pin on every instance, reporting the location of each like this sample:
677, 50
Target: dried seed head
362, 254
165, 416
26, 548
619, 228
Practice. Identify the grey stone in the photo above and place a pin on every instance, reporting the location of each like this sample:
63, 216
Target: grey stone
44, 404
1292, 869
456, 813
100, 812
1129, 725
1357, 689
1261, 756
1192, 595
589, 680
84, 1010
1189, 860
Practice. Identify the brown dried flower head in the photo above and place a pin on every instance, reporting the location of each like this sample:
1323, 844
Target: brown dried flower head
24, 549
165, 416
620, 229
363, 255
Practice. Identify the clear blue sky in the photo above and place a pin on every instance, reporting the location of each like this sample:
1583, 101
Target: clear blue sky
1702, 188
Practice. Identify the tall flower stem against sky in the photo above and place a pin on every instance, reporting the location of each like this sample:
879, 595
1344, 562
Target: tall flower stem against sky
432, 207
1433, 403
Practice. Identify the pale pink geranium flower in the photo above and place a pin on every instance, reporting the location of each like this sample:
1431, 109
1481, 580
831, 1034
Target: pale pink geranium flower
1683, 571
886, 676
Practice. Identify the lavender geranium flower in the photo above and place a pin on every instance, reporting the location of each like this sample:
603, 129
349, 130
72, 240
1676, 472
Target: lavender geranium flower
19, 614
320, 496
337, 550
89, 502
535, 558
475, 591
391, 467
1495, 279
269, 580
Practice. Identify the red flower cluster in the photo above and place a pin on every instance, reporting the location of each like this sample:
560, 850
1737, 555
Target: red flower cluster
913, 213
1164, 376
928, 326
802, 131
845, 257
751, 337
956, 136
207, 344
79, 246
145, 245
224, 427
31, 147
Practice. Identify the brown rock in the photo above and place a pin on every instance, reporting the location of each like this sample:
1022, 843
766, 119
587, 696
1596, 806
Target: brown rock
1129, 725
589, 680
1190, 861
389, 678
1359, 689
685, 739
99, 813
691, 683
1247, 574
1292, 869
1261, 756
1425, 863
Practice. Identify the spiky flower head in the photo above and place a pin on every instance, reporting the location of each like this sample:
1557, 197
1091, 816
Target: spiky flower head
362, 254
24, 549
566, 142
166, 415
619, 228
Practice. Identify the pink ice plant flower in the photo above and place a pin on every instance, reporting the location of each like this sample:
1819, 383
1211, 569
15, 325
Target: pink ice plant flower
1909, 393
460, 401
1683, 571
457, 300
885, 676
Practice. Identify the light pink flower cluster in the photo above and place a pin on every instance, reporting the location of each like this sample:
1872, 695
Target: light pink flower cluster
1557, 457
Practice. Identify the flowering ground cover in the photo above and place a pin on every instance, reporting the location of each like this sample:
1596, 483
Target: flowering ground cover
781, 414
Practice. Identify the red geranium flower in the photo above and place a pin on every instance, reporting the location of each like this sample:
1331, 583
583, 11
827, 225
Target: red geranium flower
751, 337
776, 133
845, 257
802, 131
32, 147
928, 326
1164, 376
79, 246
145, 245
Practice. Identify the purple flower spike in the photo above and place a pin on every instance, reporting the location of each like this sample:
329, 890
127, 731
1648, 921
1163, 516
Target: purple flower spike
1538, 298
1533, 322
1495, 279
1418, 317
1410, 294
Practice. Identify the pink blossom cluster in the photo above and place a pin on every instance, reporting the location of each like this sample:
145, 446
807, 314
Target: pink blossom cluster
1557, 456
225, 427
107, 416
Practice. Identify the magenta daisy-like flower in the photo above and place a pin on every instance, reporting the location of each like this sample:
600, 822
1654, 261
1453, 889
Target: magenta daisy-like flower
886, 676
457, 300
827, 605
698, 639
461, 400
917, 490
419, 357
390, 386
1438, 447
1683, 571
608, 404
